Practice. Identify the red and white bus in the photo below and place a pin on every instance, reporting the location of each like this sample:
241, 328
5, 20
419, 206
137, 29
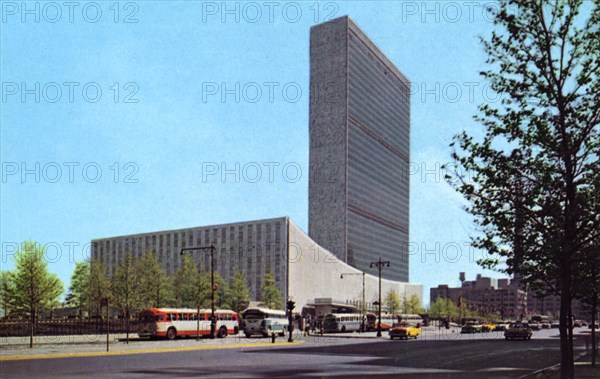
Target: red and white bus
174, 322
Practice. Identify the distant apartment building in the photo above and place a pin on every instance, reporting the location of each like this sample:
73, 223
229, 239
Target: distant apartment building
486, 295
359, 150
507, 298
550, 305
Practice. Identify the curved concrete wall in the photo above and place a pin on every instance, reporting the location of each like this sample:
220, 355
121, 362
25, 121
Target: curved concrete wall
314, 272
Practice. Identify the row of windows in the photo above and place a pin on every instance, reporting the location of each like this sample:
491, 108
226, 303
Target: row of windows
382, 103
366, 236
194, 317
259, 253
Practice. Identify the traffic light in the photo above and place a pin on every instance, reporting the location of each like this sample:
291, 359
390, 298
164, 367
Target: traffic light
291, 304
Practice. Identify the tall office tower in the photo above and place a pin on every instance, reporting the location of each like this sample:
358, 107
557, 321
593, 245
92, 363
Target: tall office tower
359, 150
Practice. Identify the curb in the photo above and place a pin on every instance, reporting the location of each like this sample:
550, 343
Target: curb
144, 351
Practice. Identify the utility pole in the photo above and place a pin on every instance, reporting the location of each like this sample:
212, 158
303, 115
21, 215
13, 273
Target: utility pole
380, 264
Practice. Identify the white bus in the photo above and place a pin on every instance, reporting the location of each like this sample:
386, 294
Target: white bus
264, 321
177, 322
342, 322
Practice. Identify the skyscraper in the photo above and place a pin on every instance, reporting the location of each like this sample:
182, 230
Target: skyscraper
359, 150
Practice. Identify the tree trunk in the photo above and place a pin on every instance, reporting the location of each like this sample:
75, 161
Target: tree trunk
32, 329
566, 343
594, 352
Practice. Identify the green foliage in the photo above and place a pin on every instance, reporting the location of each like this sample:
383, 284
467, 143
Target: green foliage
221, 292
534, 176
412, 305
35, 288
7, 292
444, 308
155, 288
239, 294
391, 301
79, 290
270, 297
126, 285
188, 284
99, 286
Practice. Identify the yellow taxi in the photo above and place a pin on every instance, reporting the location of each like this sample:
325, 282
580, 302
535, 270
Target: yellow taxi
404, 330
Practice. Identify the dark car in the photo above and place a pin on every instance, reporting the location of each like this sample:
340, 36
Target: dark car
518, 330
471, 327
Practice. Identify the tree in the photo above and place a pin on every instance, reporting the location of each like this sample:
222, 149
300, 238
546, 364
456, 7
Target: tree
221, 292
99, 286
187, 283
79, 290
534, 176
392, 302
126, 285
155, 286
36, 289
443, 308
239, 294
7, 292
270, 294
412, 305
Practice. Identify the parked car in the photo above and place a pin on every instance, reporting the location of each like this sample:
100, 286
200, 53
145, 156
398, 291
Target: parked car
520, 330
546, 325
488, 327
501, 326
471, 327
555, 324
404, 330
595, 327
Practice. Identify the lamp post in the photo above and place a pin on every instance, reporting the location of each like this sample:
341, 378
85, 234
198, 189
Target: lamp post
363, 306
210, 249
379, 264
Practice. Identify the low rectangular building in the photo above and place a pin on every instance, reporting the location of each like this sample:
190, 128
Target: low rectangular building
302, 269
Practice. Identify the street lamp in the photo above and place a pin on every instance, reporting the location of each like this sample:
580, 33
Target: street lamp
210, 249
363, 306
379, 264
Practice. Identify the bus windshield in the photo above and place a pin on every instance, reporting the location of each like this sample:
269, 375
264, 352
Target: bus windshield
254, 314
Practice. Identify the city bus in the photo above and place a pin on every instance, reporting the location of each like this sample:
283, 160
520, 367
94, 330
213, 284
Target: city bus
387, 320
174, 322
264, 322
342, 322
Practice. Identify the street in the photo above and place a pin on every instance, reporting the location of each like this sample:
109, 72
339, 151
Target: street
436, 354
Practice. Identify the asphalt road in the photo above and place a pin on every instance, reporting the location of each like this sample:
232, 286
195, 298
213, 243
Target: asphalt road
433, 356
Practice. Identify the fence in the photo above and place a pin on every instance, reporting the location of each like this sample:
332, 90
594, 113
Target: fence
61, 327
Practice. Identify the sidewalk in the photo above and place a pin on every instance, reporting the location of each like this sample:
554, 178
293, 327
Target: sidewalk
91, 345
583, 369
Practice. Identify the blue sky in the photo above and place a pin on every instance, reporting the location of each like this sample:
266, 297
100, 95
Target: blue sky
121, 118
